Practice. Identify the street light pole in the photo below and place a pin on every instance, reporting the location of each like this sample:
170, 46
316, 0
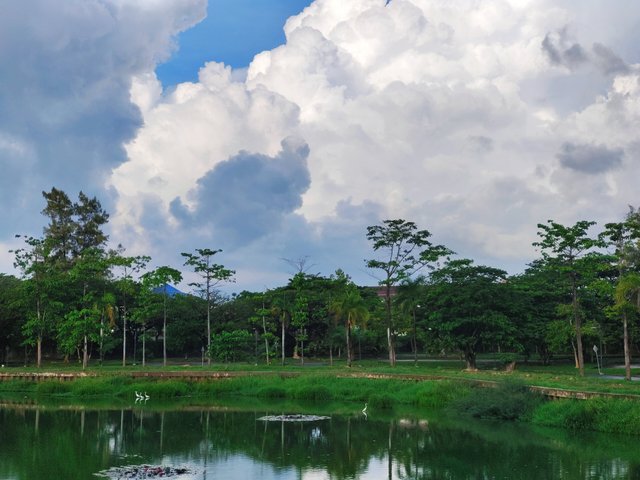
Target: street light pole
124, 335
595, 349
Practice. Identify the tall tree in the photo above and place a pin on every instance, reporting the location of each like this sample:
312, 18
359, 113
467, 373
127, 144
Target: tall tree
212, 274
126, 286
61, 228
471, 307
628, 304
35, 263
80, 326
410, 292
12, 312
90, 218
158, 280
624, 237
350, 308
405, 251
563, 247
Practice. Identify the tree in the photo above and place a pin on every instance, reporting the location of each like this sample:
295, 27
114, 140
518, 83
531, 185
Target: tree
539, 291
212, 275
81, 324
126, 286
262, 318
351, 309
158, 280
471, 307
406, 250
34, 262
12, 312
60, 230
563, 247
409, 294
624, 237
89, 220
628, 304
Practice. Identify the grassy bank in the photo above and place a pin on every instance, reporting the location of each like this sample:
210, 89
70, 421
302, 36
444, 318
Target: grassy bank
510, 401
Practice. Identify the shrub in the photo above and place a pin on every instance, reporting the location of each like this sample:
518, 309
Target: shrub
272, 392
231, 346
381, 401
507, 401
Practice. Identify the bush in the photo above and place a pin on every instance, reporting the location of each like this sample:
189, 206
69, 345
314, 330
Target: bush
381, 401
272, 392
507, 401
231, 346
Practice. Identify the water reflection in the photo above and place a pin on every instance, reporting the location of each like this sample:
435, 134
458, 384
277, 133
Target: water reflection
74, 442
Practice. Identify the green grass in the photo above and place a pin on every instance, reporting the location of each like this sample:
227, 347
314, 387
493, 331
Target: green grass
598, 414
456, 388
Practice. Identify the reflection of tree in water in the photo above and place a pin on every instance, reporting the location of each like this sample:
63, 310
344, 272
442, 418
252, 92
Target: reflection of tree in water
76, 443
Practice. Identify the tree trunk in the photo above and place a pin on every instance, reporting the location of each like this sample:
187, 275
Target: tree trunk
124, 337
627, 352
39, 351
349, 352
414, 340
144, 344
470, 359
390, 336
85, 353
578, 326
266, 340
208, 321
164, 329
282, 346
575, 354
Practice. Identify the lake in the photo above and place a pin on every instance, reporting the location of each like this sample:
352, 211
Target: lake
61, 442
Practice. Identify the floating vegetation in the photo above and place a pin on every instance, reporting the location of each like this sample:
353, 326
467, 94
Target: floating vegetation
143, 471
293, 418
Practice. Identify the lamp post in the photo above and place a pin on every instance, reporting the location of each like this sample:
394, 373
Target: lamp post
202, 351
123, 312
595, 349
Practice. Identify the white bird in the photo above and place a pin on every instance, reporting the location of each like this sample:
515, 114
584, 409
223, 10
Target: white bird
138, 396
364, 410
146, 397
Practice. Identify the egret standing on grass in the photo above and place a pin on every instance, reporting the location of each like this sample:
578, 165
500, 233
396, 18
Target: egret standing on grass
364, 410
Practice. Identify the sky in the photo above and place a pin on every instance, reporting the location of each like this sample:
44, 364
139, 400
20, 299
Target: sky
280, 129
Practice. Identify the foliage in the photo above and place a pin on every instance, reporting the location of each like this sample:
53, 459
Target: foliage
211, 274
231, 346
599, 414
471, 308
507, 401
563, 247
405, 251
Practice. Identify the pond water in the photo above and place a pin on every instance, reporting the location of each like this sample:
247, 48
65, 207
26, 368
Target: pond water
222, 442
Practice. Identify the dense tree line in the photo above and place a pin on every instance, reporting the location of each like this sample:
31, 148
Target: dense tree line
77, 298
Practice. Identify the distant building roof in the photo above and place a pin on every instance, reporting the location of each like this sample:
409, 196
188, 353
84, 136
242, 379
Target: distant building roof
170, 290
381, 291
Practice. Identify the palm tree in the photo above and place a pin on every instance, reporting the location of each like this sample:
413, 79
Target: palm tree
627, 302
350, 308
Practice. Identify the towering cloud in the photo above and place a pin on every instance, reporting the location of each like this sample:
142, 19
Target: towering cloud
476, 120
65, 106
